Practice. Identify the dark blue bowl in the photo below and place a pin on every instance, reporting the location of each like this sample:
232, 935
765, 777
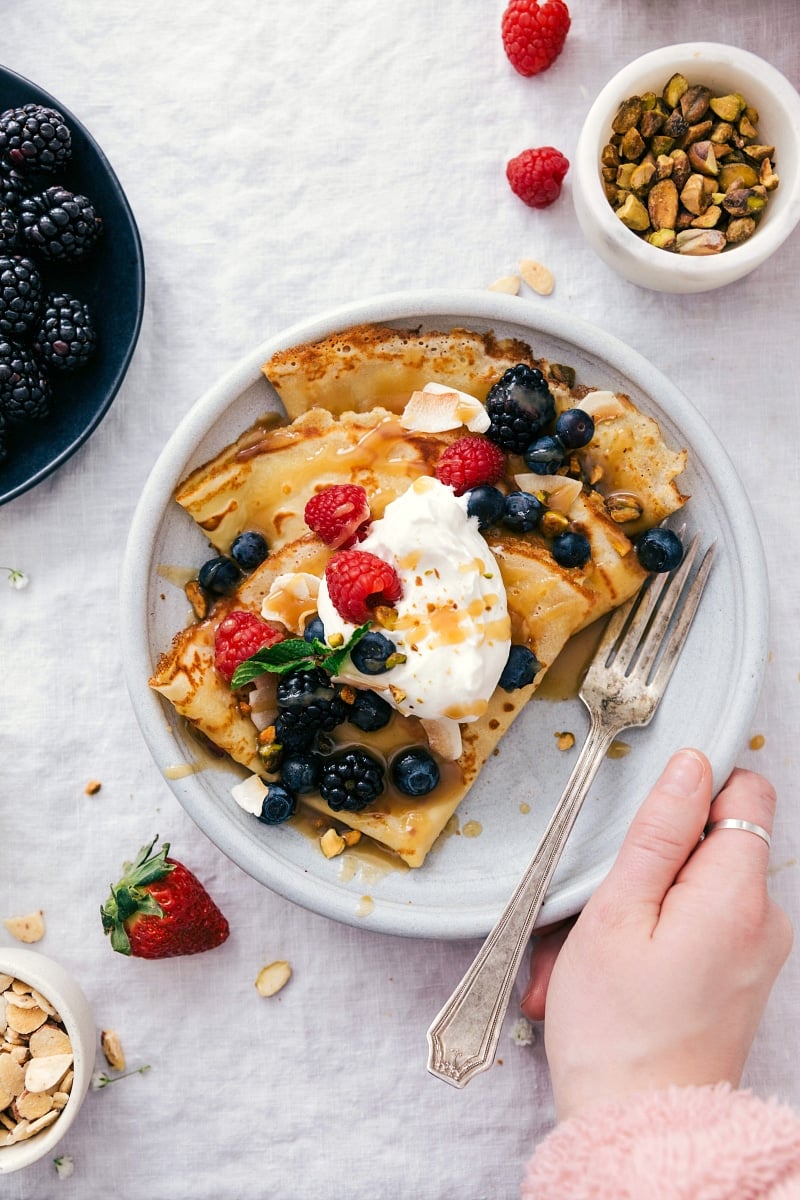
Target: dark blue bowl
111, 281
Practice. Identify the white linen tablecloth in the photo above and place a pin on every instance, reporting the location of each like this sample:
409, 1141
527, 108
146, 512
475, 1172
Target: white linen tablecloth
280, 159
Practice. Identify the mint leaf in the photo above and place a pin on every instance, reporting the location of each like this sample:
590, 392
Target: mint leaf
295, 654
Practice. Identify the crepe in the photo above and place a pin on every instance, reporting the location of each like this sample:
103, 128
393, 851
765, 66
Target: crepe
264, 480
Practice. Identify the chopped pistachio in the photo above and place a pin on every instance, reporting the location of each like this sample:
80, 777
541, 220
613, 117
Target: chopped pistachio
696, 242
767, 175
694, 197
709, 218
694, 103
758, 151
702, 158
740, 229
675, 87
662, 239
662, 204
632, 146
628, 115
728, 108
634, 214
737, 174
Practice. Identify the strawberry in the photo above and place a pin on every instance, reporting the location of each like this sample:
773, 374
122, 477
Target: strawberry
159, 909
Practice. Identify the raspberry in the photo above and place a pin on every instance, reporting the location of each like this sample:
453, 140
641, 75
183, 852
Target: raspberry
337, 513
469, 462
534, 34
238, 637
358, 581
536, 175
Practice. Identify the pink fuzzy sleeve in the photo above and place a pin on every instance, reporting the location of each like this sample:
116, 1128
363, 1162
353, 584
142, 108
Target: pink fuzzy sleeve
693, 1143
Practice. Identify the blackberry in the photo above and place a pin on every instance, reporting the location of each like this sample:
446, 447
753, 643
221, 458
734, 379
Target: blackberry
65, 337
24, 389
35, 138
309, 693
351, 780
14, 187
20, 294
295, 732
300, 772
519, 406
60, 225
9, 231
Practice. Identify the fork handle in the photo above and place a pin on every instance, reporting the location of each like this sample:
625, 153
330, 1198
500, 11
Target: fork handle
463, 1038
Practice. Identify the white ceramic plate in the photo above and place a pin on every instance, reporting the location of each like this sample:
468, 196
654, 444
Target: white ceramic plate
466, 881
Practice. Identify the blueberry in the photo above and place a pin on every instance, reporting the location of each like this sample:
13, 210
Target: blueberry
300, 772
522, 511
369, 655
370, 711
571, 550
314, 629
279, 804
659, 550
249, 550
521, 668
219, 575
545, 455
574, 428
486, 503
415, 772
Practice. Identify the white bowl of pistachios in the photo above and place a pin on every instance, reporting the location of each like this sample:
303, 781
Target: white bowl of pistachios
47, 1048
687, 170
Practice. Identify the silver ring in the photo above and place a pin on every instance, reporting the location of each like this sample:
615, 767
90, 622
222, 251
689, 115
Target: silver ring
734, 823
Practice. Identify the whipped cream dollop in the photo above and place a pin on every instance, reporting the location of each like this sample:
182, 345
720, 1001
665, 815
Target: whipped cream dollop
452, 619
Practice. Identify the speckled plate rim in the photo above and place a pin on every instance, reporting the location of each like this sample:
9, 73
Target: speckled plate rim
66, 451
458, 914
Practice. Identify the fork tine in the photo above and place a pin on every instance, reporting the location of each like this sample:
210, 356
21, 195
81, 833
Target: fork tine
653, 637
674, 643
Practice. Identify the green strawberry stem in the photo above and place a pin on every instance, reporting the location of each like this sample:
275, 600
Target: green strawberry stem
130, 897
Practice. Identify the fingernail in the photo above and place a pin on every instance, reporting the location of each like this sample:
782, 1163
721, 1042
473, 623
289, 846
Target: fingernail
683, 774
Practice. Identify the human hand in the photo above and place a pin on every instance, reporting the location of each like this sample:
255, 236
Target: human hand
664, 976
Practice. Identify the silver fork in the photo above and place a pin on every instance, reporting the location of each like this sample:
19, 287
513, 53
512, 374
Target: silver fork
622, 689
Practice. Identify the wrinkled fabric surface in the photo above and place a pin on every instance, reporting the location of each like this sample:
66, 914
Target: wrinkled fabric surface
282, 159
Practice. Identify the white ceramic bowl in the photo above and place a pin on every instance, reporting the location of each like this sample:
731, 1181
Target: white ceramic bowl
724, 69
57, 985
466, 881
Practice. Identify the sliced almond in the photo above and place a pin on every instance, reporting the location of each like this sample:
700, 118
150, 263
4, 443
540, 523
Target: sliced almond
20, 1054
25, 1020
42, 1122
273, 977
66, 1082
44, 1073
33, 1104
26, 929
537, 276
60, 1099
44, 1003
17, 1134
331, 843
5, 981
112, 1049
12, 1077
509, 284
48, 1040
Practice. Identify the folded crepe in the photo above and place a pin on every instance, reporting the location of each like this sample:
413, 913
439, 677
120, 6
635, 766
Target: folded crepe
623, 482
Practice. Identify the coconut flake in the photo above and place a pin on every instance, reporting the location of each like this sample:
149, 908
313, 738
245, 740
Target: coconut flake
291, 599
438, 408
444, 737
250, 793
602, 406
561, 490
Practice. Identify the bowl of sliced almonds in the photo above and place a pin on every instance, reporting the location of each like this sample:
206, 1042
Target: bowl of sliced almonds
47, 1047
687, 170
